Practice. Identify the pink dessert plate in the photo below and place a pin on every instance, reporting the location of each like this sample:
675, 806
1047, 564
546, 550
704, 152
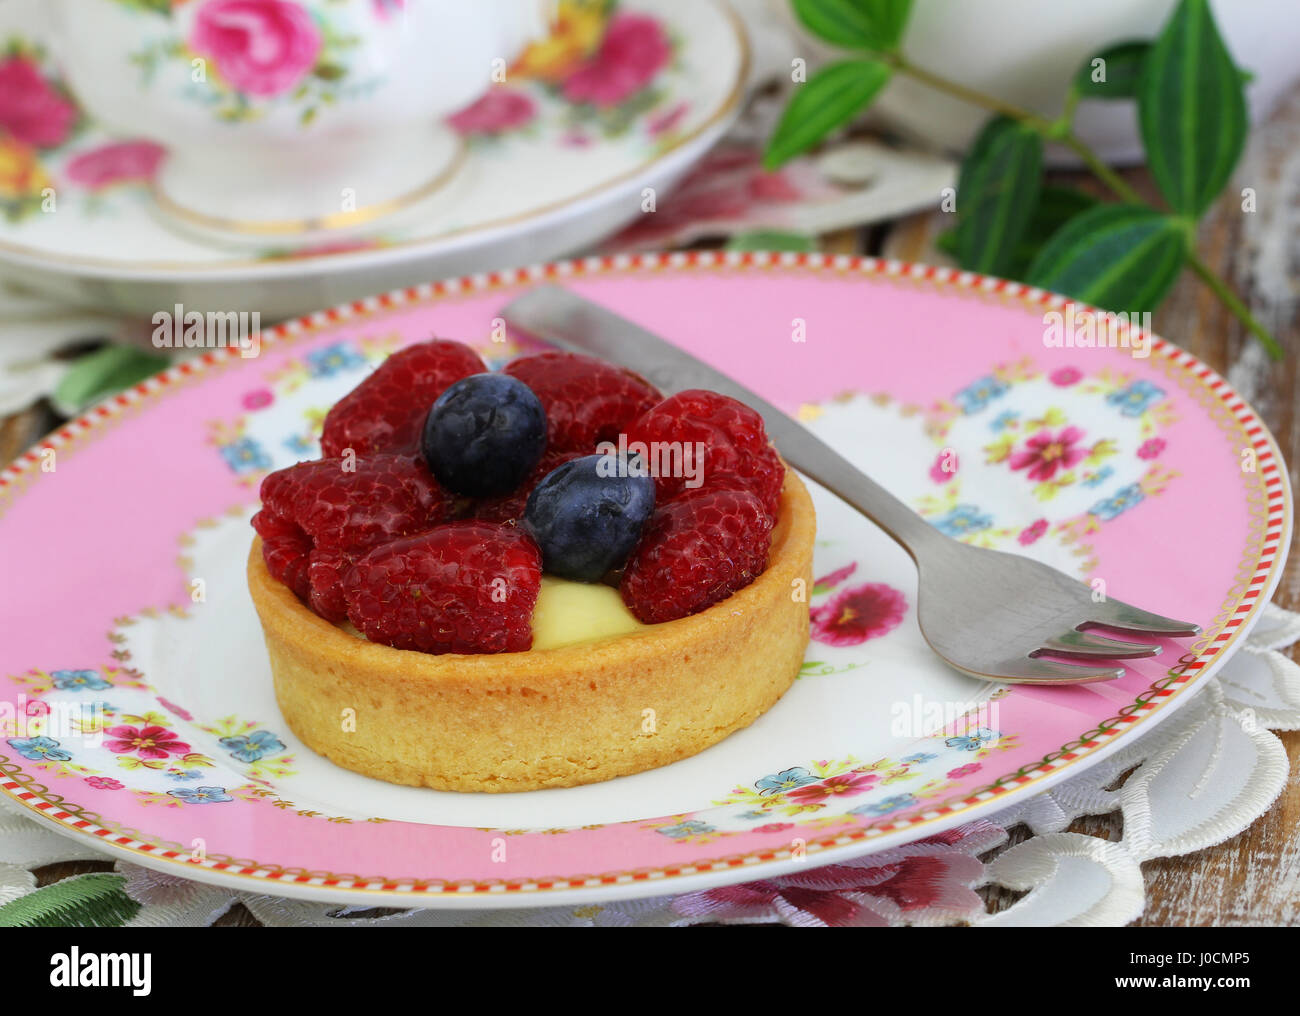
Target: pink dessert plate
136, 704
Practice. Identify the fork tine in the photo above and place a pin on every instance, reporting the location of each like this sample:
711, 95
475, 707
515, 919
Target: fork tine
1089, 645
1118, 614
1037, 671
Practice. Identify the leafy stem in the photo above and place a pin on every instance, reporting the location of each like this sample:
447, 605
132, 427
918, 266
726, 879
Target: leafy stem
1062, 132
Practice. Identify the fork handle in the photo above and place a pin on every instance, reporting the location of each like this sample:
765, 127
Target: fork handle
573, 323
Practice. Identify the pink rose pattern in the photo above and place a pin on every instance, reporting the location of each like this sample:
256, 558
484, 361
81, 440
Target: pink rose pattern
31, 109
259, 47
634, 50
120, 162
500, 110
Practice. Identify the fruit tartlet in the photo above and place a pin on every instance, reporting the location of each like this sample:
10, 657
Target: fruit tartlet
539, 577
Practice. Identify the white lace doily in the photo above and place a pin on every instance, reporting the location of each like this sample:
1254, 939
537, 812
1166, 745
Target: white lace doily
1201, 778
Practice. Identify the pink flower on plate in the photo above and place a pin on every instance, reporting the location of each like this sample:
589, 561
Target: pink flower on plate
966, 770
260, 47
149, 742
662, 123
1045, 453
846, 785
945, 466
773, 827
857, 614
103, 783
31, 109
171, 706
634, 50
120, 162
1063, 377
258, 398
501, 109
1151, 448
836, 577
1031, 533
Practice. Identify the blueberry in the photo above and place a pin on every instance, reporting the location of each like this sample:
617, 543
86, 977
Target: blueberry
587, 518
484, 434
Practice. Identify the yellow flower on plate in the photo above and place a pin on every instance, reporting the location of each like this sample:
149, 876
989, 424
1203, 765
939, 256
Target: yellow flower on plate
577, 27
21, 176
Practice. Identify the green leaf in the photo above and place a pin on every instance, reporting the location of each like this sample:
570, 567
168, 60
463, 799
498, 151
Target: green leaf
83, 901
1117, 257
997, 192
829, 99
328, 71
772, 239
102, 373
1121, 66
856, 24
1191, 109
1056, 207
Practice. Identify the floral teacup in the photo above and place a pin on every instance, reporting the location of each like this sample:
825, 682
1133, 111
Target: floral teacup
290, 118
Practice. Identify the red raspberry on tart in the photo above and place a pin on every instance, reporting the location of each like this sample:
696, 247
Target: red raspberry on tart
737, 452
385, 412
587, 401
696, 550
465, 587
317, 515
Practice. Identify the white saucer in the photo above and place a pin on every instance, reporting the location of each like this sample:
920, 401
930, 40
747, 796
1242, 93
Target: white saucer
569, 176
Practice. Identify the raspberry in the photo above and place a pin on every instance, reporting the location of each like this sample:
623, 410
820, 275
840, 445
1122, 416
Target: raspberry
317, 517
696, 551
466, 587
386, 411
737, 453
285, 548
586, 400
510, 507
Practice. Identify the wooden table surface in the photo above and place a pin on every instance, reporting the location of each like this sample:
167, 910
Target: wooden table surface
1254, 878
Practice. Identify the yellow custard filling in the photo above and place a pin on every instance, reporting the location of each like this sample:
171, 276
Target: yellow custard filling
571, 612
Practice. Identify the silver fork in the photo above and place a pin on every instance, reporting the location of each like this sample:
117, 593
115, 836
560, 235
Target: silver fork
985, 612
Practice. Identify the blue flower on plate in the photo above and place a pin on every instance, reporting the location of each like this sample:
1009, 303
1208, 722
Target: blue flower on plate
245, 455
79, 680
1005, 419
963, 519
973, 741
300, 444
1121, 501
753, 816
330, 360
201, 795
787, 779
975, 397
1136, 398
251, 747
185, 775
1099, 477
39, 749
690, 827
885, 806
919, 758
